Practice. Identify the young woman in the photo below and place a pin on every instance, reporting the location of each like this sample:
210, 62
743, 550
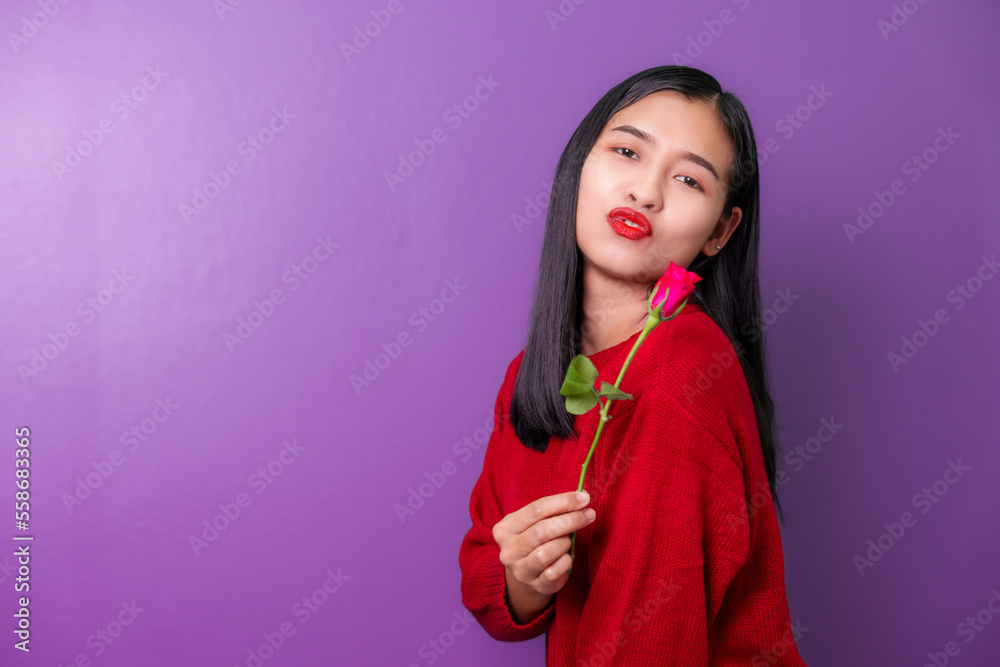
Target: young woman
678, 552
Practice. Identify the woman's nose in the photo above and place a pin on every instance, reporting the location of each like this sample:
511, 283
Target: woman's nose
645, 193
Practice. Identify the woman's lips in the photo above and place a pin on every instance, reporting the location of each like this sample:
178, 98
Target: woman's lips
617, 217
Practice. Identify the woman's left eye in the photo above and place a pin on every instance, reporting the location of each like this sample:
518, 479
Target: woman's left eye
693, 182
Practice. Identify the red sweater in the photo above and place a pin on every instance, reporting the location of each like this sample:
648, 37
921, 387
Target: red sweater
683, 564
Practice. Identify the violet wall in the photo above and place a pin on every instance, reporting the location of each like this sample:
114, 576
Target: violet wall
214, 215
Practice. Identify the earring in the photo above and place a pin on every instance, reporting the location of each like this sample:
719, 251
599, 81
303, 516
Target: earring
718, 247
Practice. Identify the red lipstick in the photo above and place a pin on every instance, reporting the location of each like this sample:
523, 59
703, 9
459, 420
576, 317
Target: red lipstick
617, 218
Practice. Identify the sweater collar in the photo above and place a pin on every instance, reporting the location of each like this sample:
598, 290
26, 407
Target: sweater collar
621, 350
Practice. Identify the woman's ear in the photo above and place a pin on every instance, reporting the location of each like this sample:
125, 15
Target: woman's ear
723, 230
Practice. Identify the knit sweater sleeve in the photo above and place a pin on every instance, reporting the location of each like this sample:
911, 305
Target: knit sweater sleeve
676, 566
484, 581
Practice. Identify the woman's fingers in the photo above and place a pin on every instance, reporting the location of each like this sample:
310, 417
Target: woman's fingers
544, 543
558, 569
545, 555
519, 521
534, 540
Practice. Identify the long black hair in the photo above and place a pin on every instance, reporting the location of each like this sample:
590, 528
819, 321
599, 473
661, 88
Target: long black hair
729, 290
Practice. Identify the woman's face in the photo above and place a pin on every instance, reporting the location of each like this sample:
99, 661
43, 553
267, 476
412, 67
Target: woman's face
667, 158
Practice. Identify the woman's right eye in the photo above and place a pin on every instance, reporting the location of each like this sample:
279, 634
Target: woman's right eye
625, 149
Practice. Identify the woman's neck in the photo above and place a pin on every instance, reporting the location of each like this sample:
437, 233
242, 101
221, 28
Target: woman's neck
614, 309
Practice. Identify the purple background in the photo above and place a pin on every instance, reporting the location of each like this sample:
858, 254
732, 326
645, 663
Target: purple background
455, 218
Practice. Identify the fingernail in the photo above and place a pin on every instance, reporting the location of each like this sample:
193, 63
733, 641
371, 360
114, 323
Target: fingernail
582, 497
590, 514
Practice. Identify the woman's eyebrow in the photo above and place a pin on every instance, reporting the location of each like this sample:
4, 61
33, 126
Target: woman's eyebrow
685, 155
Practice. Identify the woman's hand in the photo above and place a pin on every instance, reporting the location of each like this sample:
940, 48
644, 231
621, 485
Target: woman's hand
534, 547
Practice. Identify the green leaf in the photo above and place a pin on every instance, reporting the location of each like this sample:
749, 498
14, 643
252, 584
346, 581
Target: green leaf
613, 392
581, 403
582, 370
580, 377
571, 388
578, 387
